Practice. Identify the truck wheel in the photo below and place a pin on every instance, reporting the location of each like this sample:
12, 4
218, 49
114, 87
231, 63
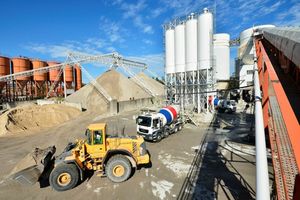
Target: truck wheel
180, 127
64, 177
176, 129
159, 137
166, 133
118, 169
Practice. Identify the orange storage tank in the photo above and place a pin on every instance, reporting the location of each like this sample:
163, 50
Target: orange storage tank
39, 76
69, 73
53, 72
78, 81
4, 68
21, 65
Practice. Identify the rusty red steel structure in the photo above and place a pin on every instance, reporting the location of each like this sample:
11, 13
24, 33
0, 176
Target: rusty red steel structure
36, 85
281, 123
4, 70
78, 77
40, 79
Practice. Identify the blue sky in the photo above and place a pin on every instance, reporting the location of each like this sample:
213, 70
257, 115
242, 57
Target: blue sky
49, 29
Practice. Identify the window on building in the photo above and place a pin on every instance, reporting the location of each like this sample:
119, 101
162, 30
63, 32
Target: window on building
249, 83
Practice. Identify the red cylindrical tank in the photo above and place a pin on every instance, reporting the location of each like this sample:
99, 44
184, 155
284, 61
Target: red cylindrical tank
21, 65
39, 76
53, 72
4, 68
69, 73
78, 79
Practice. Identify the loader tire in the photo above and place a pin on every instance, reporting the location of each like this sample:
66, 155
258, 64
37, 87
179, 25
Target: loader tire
118, 168
64, 177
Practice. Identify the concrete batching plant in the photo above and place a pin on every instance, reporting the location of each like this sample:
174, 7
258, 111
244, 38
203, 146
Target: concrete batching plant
189, 60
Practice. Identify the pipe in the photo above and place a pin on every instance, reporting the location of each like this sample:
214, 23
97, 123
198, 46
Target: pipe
262, 174
65, 84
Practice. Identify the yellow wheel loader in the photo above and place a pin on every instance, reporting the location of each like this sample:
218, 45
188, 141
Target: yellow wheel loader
114, 157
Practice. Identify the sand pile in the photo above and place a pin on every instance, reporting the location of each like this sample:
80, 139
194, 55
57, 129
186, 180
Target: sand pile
34, 117
116, 85
156, 87
120, 87
89, 98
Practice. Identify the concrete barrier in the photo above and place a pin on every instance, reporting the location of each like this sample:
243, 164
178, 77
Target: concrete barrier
134, 104
47, 102
74, 105
44, 102
14, 104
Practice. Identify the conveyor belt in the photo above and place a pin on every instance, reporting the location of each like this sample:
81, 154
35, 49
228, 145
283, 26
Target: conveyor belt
285, 167
280, 108
285, 39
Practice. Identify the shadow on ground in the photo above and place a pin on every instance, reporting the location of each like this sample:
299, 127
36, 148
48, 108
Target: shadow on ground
212, 171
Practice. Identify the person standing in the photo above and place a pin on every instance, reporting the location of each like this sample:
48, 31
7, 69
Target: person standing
210, 101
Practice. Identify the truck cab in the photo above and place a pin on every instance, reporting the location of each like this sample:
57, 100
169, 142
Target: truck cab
149, 126
154, 126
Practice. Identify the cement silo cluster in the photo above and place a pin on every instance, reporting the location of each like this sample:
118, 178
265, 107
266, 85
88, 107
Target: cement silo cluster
38, 84
190, 61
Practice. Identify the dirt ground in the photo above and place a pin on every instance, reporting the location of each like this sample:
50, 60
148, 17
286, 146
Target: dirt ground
187, 165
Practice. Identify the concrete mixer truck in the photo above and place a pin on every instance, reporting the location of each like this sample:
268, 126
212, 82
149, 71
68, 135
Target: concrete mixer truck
155, 126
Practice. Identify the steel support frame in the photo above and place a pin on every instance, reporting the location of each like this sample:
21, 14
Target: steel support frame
191, 88
180, 89
284, 139
206, 86
170, 90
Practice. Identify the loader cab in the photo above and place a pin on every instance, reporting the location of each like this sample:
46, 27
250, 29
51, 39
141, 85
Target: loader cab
95, 139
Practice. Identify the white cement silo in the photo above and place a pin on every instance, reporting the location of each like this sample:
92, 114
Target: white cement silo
170, 51
222, 56
180, 48
205, 32
191, 43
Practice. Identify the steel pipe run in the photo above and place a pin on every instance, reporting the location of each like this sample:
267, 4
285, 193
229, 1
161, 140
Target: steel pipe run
262, 174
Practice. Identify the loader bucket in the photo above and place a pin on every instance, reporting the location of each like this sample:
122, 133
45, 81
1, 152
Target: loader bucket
31, 167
